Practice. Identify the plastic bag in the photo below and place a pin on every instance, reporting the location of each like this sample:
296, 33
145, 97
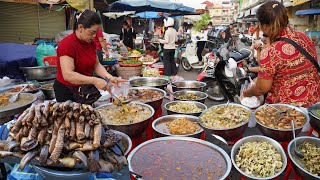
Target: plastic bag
123, 50
121, 91
44, 50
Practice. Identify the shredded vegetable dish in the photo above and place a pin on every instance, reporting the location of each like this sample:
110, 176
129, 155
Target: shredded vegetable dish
259, 159
181, 107
182, 126
188, 96
311, 157
222, 117
117, 115
280, 117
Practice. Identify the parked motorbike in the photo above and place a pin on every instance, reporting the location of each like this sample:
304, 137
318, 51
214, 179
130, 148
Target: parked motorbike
229, 74
245, 39
190, 59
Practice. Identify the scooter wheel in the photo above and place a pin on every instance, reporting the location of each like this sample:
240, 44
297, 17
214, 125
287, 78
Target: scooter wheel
186, 65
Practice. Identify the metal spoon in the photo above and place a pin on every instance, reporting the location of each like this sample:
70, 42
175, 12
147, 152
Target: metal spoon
298, 153
227, 104
15, 97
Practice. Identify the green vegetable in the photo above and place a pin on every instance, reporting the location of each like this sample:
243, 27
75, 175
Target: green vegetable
203, 22
131, 61
108, 59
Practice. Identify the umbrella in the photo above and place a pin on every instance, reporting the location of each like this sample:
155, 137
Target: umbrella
151, 14
149, 5
115, 15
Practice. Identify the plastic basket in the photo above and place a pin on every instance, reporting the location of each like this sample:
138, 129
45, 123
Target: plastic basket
127, 72
50, 60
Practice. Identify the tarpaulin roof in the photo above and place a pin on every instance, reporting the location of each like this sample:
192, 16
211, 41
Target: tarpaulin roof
149, 5
115, 15
308, 12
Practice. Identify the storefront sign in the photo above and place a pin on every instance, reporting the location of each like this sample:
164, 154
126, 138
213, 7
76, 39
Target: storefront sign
297, 2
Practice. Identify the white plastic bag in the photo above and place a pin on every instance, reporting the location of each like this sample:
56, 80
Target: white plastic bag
121, 91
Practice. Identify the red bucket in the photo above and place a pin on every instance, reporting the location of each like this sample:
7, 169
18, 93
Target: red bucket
50, 60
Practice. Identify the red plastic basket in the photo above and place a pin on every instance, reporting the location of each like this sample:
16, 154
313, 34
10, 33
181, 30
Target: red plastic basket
50, 60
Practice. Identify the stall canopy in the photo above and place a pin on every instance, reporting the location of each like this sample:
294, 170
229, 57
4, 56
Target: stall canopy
151, 14
308, 12
149, 5
115, 15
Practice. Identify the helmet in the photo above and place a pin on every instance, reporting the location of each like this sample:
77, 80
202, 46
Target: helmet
168, 22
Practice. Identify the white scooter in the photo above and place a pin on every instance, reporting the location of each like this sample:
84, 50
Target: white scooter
190, 59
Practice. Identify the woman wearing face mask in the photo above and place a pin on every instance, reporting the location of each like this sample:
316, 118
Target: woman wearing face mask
286, 74
77, 59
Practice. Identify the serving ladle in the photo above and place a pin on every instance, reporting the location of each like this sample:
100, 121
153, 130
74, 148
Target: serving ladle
296, 151
15, 97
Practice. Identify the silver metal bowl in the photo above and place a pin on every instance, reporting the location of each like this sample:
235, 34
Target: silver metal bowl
156, 82
9, 88
314, 118
48, 93
188, 85
227, 133
39, 73
134, 129
279, 134
188, 139
25, 100
277, 146
198, 104
50, 174
155, 104
158, 132
126, 141
203, 96
297, 163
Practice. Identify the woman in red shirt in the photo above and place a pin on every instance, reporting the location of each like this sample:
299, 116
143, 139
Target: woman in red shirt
78, 59
286, 74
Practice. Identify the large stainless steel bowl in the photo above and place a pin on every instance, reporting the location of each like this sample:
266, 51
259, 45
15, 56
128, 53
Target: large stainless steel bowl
39, 73
188, 85
227, 133
48, 93
277, 146
159, 131
279, 134
155, 104
202, 96
126, 141
297, 163
188, 139
156, 82
315, 117
25, 100
133, 129
198, 104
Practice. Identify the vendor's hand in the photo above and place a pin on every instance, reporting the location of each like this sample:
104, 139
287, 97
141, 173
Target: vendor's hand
257, 45
102, 84
244, 94
115, 81
107, 55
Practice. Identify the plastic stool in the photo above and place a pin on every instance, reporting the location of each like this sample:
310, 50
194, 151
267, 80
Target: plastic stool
50, 60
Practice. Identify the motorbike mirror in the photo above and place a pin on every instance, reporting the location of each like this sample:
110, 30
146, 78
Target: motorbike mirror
241, 36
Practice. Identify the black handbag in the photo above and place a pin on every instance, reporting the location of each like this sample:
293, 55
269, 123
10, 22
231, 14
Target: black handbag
85, 94
303, 51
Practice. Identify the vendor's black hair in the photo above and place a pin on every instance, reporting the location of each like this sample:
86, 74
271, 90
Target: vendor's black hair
87, 18
125, 23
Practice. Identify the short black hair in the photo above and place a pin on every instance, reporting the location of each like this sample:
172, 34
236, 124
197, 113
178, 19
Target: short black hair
125, 23
87, 18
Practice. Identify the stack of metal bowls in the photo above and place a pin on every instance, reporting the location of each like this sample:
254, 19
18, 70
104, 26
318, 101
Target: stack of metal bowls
279, 134
202, 96
198, 104
188, 85
275, 144
155, 104
133, 129
227, 133
39, 73
314, 113
161, 130
155, 82
297, 163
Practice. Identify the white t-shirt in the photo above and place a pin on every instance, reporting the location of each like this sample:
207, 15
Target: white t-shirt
170, 39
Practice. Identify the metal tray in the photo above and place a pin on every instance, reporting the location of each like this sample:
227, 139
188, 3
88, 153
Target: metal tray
17, 107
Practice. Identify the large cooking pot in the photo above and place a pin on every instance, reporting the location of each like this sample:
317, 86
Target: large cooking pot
134, 129
188, 85
279, 134
156, 82
314, 114
48, 91
157, 103
277, 146
198, 104
202, 96
227, 133
39, 73
297, 163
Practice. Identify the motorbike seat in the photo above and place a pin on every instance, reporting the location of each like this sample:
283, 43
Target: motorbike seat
239, 56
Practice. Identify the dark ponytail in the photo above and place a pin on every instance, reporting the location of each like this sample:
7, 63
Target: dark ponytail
87, 18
